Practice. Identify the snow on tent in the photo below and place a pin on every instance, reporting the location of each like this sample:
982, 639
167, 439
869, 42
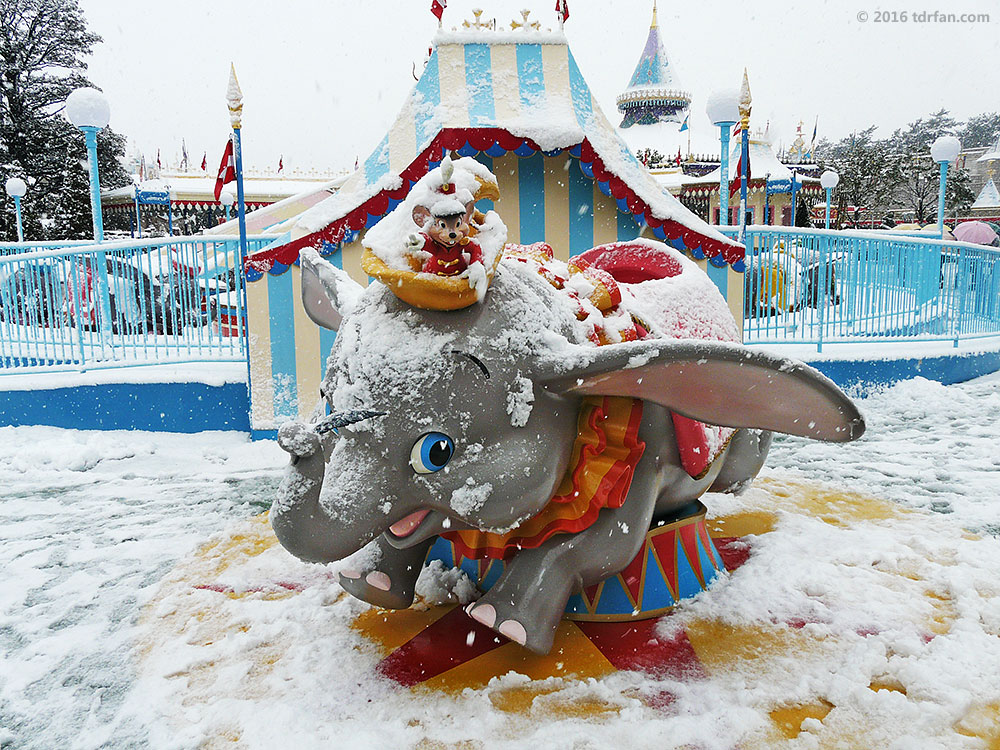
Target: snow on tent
518, 103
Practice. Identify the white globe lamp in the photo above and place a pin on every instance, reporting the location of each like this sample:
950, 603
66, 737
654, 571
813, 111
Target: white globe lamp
828, 180
944, 150
16, 188
723, 109
227, 199
89, 110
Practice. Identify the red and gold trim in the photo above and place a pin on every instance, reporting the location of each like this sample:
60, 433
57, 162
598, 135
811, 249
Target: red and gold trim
605, 453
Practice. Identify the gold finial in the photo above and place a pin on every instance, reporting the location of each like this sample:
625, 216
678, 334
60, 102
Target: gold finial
525, 24
478, 22
745, 101
654, 24
234, 98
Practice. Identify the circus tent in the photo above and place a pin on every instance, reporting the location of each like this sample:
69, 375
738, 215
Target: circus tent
518, 103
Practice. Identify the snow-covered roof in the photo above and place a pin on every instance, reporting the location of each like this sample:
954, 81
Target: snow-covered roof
480, 92
198, 187
992, 154
764, 163
272, 219
286, 197
989, 196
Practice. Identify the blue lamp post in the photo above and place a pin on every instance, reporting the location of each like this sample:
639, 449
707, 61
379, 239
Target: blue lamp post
829, 180
88, 109
723, 110
16, 188
945, 149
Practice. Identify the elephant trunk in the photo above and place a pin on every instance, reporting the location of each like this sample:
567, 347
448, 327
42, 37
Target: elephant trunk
299, 520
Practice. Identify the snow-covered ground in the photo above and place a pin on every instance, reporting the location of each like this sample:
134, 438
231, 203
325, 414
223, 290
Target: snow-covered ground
106, 643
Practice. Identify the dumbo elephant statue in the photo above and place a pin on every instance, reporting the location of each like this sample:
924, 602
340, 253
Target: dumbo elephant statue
446, 423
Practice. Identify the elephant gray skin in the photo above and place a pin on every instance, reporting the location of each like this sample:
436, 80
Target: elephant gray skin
397, 374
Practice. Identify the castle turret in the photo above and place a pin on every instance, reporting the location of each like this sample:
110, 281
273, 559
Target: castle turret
654, 94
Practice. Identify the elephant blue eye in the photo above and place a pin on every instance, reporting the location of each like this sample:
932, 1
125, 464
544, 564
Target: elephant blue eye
431, 453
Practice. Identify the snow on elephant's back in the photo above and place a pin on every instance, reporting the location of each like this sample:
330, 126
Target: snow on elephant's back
666, 290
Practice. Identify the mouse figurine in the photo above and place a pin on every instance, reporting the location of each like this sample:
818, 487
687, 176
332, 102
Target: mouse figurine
447, 227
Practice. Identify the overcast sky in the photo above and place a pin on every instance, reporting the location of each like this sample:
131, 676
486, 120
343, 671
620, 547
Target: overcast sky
322, 81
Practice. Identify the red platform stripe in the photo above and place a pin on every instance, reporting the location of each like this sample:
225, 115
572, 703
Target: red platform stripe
689, 541
632, 576
591, 595
733, 550
705, 539
636, 646
439, 647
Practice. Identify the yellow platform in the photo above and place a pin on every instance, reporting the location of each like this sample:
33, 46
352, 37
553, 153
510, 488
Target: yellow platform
572, 681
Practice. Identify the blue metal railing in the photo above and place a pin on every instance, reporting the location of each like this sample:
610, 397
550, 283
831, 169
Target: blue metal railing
113, 304
816, 286
180, 299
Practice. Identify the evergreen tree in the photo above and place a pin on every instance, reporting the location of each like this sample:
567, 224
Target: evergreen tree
869, 172
917, 190
43, 50
801, 218
650, 157
981, 130
918, 136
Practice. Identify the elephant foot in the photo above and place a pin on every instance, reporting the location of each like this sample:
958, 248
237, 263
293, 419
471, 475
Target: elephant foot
391, 584
377, 588
509, 621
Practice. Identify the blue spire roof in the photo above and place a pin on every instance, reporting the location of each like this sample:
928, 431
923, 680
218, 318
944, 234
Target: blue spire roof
654, 67
653, 94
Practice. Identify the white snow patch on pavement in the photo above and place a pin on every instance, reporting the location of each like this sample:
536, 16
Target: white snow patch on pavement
95, 526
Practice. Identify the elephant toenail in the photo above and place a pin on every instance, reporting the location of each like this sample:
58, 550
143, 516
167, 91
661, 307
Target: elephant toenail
514, 630
379, 580
352, 574
485, 614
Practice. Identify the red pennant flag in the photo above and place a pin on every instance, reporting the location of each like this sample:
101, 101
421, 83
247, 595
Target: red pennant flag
204, 162
562, 7
735, 179
227, 169
437, 8
678, 159
281, 163
734, 183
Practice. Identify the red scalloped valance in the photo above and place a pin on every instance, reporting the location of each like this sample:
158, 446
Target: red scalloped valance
490, 140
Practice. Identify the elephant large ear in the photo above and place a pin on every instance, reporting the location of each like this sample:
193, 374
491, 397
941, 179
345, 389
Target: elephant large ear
718, 383
328, 293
